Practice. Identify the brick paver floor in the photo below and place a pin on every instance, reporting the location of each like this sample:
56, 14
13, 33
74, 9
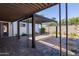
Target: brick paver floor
46, 45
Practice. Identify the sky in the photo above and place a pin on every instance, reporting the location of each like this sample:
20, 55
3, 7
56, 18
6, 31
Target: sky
73, 11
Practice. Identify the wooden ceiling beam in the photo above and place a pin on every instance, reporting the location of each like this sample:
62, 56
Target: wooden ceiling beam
31, 5
16, 5
28, 6
41, 8
13, 12
41, 4
7, 6
37, 5
45, 4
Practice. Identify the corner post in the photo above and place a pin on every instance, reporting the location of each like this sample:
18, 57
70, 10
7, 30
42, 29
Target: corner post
12, 29
56, 30
66, 6
60, 28
18, 30
27, 31
41, 28
33, 32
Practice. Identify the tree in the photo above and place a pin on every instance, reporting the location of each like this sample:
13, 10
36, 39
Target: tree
71, 21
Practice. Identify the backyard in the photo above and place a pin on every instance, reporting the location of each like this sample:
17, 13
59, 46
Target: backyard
73, 34
53, 35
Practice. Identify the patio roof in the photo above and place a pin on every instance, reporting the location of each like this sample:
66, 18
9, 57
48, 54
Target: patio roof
17, 11
39, 19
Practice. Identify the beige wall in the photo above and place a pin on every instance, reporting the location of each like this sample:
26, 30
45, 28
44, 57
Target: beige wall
71, 28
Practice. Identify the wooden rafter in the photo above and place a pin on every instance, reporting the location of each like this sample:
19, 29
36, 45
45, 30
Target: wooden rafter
14, 11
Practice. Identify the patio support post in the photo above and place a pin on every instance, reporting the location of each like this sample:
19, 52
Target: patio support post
60, 28
18, 29
41, 25
33, 32
0, 30
41, 28
48, 29
12, 29
66, 6
27, 30
8, 29
56, 30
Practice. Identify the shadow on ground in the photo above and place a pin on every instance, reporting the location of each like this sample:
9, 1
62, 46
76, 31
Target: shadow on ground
13, 47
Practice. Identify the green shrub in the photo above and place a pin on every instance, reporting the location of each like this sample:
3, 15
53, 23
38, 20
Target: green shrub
73, 35
42, 30
24, 34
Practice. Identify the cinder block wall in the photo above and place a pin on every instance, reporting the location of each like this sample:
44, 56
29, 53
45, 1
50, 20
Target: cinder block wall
71, 29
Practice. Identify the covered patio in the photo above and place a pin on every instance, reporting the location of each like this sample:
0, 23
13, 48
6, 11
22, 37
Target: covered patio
18, 45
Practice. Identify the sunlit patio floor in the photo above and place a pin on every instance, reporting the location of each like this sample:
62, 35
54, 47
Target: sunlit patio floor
46, 45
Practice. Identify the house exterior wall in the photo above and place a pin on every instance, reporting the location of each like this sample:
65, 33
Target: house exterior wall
10, 29
2, 30
23, 30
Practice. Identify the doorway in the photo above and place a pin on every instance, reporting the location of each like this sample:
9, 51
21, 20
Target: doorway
3, 29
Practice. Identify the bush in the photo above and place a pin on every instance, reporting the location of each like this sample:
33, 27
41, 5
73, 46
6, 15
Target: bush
73, 35
24, 34
42, 30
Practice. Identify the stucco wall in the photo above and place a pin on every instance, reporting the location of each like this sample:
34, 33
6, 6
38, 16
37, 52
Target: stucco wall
22, 29
50, 29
